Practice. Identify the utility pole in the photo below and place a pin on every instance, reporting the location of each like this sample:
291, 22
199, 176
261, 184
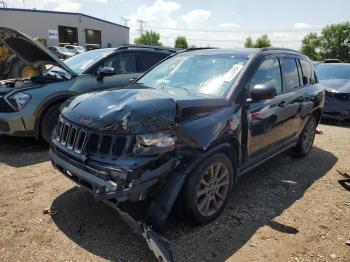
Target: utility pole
4, 5
141, 23
24, 4
125, 20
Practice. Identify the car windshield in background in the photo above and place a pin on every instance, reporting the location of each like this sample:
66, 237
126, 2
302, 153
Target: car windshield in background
62, 49
209, 75
81, 62
80, 48
338, 71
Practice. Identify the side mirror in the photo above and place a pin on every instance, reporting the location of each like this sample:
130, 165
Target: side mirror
106, 71
263, 92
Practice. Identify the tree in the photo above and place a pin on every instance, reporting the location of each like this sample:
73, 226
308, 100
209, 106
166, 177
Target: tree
181, 42
310, 46
262, 41
333, 42
148, 38
249, 42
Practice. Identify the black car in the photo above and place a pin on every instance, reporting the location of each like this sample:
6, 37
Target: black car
186, 130
335, 77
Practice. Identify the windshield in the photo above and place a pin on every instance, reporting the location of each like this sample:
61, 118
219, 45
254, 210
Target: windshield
62, 49
209, 75
338, 71
80, 48
81, 62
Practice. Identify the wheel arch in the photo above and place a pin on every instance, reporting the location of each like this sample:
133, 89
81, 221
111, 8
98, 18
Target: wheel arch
59, 99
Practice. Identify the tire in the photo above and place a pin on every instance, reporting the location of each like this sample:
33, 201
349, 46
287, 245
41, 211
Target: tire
203, 199
306, 138
49, 121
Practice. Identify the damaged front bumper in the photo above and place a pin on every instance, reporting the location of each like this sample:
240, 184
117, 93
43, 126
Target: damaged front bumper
107, 190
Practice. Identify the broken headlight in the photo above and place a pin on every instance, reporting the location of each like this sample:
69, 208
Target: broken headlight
19, 100
155, 142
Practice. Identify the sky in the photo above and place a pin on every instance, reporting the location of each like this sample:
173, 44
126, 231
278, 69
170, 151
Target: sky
220, 23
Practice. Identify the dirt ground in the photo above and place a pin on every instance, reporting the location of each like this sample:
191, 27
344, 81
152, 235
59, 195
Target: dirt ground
289, 209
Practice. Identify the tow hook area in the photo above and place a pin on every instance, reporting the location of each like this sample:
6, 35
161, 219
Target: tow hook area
159, 245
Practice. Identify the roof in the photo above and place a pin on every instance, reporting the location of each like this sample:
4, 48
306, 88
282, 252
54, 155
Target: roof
59, 12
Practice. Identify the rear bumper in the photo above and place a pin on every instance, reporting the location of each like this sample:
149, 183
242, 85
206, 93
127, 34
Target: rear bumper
102, 186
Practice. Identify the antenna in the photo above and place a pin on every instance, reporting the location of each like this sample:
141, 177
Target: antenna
141, 23
125, 20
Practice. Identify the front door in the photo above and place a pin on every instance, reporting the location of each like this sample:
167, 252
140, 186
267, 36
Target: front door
125, 63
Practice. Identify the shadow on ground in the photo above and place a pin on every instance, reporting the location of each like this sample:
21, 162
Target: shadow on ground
21, 152
258, 198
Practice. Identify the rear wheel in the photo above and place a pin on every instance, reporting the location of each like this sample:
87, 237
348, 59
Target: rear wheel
207, 190
49, 122
306, 138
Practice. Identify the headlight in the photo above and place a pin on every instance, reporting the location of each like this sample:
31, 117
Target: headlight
19, 100
154, 143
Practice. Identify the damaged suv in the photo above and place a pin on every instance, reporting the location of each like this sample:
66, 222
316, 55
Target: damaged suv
186, 130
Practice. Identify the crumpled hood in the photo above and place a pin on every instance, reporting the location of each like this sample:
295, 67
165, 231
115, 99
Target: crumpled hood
136, 110
340, 85
31, 52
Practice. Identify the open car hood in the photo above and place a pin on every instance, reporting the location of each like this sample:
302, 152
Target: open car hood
31, 52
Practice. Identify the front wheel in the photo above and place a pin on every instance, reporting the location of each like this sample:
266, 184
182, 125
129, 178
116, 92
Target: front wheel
49, 122
306, 138
208, 188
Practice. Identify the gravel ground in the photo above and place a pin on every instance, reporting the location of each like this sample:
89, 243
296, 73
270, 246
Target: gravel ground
288, 209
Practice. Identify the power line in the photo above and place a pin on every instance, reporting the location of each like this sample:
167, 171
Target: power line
125, 20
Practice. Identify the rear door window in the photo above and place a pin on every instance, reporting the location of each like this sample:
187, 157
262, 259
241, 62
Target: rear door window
145, 60
268, 73
290, 73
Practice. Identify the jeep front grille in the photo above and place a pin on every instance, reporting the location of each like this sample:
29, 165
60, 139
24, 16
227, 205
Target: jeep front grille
84, 141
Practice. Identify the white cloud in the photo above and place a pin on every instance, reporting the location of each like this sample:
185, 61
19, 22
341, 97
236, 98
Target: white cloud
196, 19
301, 26
229, 25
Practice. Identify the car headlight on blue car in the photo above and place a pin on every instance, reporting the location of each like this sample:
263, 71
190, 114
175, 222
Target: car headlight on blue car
152, 143
19, 100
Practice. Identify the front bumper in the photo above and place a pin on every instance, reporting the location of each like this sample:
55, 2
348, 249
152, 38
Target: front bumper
336, 109
12, 124
102, 186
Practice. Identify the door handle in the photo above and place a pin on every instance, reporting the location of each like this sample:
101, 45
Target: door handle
132, 79
282, 103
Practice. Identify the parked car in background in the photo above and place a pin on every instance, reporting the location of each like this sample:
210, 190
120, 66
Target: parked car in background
30, 106
76, 49
186, 130
61, 52
335, 77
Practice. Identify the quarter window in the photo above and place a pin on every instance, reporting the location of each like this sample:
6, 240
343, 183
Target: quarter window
268, 73
291, 76
308, 76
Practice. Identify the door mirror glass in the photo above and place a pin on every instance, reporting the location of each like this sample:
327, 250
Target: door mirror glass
263, 92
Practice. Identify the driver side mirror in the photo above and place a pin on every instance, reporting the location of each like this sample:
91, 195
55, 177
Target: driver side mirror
106, 71
263, 92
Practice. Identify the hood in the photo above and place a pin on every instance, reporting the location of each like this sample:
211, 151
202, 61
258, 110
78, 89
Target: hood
31, 52
136, 110
339, 85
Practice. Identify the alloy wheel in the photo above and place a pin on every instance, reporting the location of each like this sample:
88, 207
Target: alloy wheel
213, 189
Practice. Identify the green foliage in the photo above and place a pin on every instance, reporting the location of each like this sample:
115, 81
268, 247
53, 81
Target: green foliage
262, 41
333, 42
181, 42
310, 46
148, 38
249, 42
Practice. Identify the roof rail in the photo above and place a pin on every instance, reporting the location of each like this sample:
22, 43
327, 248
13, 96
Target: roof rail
198, 48
279, 49
160, 48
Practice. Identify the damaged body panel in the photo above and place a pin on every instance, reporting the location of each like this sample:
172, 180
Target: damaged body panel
184, 132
